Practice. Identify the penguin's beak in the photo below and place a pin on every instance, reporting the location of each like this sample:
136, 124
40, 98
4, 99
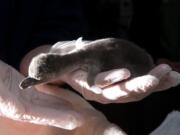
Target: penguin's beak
29, 81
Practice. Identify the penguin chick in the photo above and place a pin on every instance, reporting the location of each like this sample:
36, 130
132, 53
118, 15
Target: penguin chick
93, 56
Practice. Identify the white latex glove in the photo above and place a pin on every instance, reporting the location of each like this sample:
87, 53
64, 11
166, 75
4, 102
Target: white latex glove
61, 108
160, 78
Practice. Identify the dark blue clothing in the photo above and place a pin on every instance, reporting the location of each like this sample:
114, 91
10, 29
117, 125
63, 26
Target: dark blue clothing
26, 24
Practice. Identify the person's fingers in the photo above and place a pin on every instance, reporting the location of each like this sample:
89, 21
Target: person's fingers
139, 87
110, 77
160, 71
160, 78
128, 91
167, 77
171, 79
131, 90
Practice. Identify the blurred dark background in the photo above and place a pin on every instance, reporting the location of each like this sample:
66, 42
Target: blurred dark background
26, 24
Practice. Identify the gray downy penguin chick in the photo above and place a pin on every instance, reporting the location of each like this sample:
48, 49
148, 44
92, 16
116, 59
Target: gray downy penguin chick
93, 56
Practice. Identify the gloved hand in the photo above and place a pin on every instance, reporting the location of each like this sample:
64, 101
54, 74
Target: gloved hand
59, 108
160, 78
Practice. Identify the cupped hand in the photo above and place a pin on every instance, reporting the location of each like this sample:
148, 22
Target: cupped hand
161, 77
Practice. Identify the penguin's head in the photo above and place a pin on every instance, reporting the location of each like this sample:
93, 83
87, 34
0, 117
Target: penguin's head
42, 69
